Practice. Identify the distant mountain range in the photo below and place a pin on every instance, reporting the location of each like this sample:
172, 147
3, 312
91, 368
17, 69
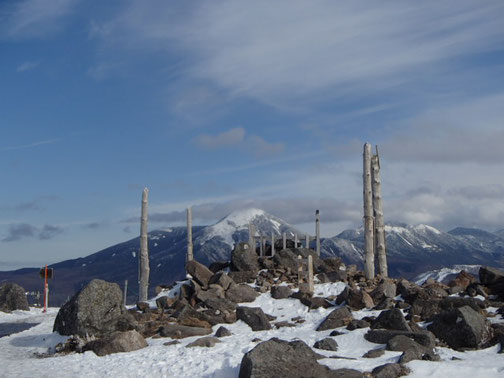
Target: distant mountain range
410, 250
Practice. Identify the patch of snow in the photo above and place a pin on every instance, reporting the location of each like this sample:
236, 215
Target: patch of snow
133, 253
424, 228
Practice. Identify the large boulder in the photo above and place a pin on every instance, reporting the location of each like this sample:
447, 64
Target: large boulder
337, 318
278, 358
288, 259
461, 328
254, 317
12, 297
177, 331
96, 309
244, 258
382, 336
241, 293
117, 342
199, 272
493, 279
391, 319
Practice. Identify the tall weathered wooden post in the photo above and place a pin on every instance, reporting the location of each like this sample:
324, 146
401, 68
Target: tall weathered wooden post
317, 232
307, 241
144, 251
378, 216
368, 215
190, 255
284, 240
251, 241
272, 243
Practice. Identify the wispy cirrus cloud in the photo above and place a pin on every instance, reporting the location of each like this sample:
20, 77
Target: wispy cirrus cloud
27, 66
18, 231
33, 18
30, 145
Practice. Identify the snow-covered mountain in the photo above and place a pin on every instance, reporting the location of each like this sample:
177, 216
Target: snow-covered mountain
411, 250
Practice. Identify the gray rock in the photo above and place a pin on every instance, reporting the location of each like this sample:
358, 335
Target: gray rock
382, 336
222, 279
254, 317
97, 309
461, 328
278, 358
199, 272
391, 319
214, 291
326, 344
221, 304
12, 297
223, 332
206, 342
288, 258
177, 331
356, 324
118, 342
241, 293
280, 292
390, 371
243, 277
401, 343
337, 318
188, 316
337, 275
374, 353
244, 258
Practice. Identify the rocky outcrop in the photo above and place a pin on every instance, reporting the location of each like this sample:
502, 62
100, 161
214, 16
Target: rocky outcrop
12, 297
391, 319
199, 272
254, 317
337, 318
493, 279
241, 293
117, 342
96, 310
244, 258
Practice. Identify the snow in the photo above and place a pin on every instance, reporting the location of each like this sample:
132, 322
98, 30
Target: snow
17, 350
441, 274
426, 228
133, 254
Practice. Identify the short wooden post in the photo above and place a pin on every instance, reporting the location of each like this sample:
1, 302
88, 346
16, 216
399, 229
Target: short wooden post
305, 274
317, 232
368, 214
190, 255
272, 244
284, 240
144, 251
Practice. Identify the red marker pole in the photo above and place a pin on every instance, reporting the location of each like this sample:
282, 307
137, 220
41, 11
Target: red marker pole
45, 290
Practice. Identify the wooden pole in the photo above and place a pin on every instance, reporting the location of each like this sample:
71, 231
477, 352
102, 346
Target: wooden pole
378, 214
144, 250
251, 242
125, 292
317, 232
284, 240
272, 243
190, 255
307, 241
368, 214
295, 241
261, 246
46, 291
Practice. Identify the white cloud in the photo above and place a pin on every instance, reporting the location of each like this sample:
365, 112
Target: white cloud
33, 18
227, 138
27, 66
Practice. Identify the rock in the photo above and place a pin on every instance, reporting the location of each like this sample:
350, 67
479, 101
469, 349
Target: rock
288, 259
401, 343
97, 309
221, 279
337, 318
188, 316
357, 324
284, 323
390, 371
311, 302
217, 266
164, 302
221, 304
278, 358
336, 333
280, 292
173, 342
254, 317
214, 291
391, 319
385, 289
223, 332
12, 297
199, 272
463, 280
244, 258
326, 344
241, 293
461, 328
243, 277
374, 353
117, 342
143, 306
493, 279
408, 290
382, 336
355, 298
385, 304
337, 275
177, 331
207, 342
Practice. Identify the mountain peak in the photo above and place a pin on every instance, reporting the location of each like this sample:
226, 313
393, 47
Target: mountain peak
241, 218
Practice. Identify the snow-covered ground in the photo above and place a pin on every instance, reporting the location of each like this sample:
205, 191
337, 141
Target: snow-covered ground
17, 351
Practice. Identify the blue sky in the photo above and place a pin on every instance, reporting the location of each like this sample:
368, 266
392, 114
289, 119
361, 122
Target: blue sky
229, 104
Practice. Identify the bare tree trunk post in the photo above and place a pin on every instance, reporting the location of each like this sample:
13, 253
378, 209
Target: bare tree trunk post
307, 241
295, 241
368, 215
144, 251
251, 241
272, 244
125, 292
261, 246
378, 213
284, 240
317, 232
190, 255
